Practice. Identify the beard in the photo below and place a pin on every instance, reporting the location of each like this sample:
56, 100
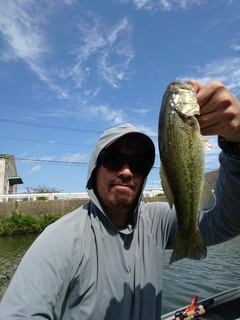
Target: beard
118, 196
119, 201
122, 200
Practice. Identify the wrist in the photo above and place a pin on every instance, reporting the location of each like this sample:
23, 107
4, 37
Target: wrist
231, 149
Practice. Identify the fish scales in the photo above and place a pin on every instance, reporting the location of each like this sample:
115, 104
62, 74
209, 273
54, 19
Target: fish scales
182, 167
184, 170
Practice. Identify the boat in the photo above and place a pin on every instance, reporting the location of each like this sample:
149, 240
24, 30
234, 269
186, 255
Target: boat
224, 306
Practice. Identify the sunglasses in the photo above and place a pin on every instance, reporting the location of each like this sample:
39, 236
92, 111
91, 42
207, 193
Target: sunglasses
115, 160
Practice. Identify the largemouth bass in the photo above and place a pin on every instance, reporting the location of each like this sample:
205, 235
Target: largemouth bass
181, 147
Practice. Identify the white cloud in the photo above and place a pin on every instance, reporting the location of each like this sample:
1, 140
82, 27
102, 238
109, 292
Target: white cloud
46, 158
110, 46
69, 1
140, 3
235, 43
22, 29
88, 95
107, 114
92, 39
235, 46
164, 5
150, 132
111, 73
106, 48
141, 111
215, 22
35, 168
75, 157
226, 70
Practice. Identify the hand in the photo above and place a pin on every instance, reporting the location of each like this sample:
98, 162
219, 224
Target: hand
219, 110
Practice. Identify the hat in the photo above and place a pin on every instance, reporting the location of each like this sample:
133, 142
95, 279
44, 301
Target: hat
141, 138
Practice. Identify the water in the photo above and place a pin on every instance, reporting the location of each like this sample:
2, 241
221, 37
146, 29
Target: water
218, 272
12, 249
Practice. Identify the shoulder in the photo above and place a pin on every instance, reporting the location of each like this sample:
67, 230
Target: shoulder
71, 221
65, 237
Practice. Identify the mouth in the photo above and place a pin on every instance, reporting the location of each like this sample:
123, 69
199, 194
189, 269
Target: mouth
122, 186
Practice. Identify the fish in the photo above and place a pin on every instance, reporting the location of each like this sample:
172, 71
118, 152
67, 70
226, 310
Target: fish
182, 156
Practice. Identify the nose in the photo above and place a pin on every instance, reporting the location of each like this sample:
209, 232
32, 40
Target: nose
125, 171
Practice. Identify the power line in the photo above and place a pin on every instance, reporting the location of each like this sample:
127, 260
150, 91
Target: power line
49, 142
57, 162
46, 126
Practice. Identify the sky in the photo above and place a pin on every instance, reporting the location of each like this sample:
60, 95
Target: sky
70, 69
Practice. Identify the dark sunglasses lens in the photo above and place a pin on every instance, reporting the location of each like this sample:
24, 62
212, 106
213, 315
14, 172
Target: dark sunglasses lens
112, 161
140, 165
115, 161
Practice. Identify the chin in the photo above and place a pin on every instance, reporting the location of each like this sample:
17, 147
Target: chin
124, 201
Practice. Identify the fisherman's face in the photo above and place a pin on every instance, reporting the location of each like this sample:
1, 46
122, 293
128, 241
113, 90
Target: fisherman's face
118, 190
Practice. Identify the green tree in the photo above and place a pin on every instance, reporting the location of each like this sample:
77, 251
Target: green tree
42, 189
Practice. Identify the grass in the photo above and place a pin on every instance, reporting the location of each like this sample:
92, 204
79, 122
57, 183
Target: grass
161, 195
23, 224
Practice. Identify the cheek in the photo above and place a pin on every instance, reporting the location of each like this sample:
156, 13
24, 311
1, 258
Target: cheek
101, 179
139, 183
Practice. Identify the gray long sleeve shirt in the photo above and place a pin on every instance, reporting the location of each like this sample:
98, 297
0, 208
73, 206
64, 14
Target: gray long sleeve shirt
82, 267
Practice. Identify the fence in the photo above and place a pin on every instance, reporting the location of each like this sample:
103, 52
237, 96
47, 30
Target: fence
47, 196
148, 192
54, 203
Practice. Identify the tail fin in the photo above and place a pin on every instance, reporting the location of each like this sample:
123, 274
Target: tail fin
193, 248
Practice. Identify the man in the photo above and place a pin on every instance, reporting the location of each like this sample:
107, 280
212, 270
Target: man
104, 260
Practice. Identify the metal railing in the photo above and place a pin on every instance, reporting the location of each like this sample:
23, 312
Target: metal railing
148, 192
45, 196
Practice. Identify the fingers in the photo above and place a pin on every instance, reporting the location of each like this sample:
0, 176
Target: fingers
215, 101
196, 85
206, 93
219, 110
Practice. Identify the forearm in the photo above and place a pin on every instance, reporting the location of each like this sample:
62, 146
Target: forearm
223, 221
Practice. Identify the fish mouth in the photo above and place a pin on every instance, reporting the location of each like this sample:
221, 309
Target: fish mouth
182, 99
186, 115
178, 85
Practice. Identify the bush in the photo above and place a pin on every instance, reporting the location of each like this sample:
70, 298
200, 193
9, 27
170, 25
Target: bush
161, 195
48, 219
21, 224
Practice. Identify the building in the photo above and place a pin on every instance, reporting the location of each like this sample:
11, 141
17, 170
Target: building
8, 175
152, 192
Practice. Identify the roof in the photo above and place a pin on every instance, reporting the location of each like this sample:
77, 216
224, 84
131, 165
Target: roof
15, 180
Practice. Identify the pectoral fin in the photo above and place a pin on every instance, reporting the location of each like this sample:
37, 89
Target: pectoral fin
208, 200
207, 144
166, 187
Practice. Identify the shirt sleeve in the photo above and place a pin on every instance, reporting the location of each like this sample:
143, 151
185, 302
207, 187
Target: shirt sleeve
223, 221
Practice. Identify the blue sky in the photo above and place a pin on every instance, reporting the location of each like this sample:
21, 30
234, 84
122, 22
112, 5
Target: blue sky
71, 69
